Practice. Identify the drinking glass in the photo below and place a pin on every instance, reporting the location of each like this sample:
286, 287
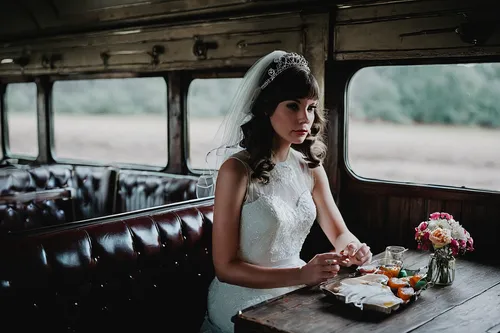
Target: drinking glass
205, 186
395, 252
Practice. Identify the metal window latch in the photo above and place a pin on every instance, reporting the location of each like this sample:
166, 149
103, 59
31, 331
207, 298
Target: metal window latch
50, 61
200, 48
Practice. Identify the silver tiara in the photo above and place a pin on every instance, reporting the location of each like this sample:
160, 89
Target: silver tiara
284, 62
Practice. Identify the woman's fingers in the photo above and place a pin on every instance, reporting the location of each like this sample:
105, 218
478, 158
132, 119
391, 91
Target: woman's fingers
362, 252
351, 249
330, 257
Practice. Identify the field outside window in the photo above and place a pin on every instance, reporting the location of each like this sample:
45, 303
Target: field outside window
20, 106
426, 124
207, 103
111, 120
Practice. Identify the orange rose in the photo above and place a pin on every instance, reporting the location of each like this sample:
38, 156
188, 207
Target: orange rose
440, 237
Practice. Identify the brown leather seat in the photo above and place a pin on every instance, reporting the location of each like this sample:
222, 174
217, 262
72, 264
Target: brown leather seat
144, 189
135, 272
21, 215
95, 191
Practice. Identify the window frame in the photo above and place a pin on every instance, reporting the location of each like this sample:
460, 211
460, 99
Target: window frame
190, 76
4, 123
345, 74
98, 76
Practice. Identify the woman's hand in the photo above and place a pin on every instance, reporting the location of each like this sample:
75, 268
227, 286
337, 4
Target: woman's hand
357, 253
322, 267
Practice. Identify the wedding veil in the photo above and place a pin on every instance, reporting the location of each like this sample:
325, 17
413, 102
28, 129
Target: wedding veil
229, 134
254, 81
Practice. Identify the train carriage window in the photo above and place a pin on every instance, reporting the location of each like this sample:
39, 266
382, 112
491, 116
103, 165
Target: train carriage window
20, 106
207, 104
122, 121
426, 124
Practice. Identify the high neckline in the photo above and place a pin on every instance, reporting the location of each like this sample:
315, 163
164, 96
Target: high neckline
286, 159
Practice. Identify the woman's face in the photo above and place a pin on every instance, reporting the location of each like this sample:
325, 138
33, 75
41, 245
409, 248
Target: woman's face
292, 120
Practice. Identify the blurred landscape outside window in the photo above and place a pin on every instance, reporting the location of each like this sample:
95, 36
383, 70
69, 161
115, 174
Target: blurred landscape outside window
207, 103
111, 121
20, 107
426, 124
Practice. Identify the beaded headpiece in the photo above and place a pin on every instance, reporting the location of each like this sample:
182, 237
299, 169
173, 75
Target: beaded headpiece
284, 62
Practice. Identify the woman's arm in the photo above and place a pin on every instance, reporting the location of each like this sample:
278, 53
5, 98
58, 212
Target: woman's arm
332, 222
229, 195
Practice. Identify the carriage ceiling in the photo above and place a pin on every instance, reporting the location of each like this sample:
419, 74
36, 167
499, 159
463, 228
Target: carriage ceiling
26, 19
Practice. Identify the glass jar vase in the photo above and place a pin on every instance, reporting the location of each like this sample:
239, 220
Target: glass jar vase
441, 270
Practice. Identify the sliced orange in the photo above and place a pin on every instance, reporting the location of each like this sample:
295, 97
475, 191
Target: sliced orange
414, 279
405, 293
396, 283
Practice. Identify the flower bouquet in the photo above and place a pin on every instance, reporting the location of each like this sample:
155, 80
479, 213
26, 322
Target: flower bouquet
447, 239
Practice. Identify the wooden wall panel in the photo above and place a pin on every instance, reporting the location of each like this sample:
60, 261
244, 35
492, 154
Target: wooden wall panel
390, 220
237, 43
420, 29
418, 213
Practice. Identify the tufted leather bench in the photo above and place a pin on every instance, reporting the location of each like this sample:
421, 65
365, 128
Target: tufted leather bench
21, 214
127, 273
144, 189
95, 191
98, 191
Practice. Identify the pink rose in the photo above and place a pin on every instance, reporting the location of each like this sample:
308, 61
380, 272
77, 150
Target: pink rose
423, 226
454, 247
470, 244
440, 237
435, 215
446, 216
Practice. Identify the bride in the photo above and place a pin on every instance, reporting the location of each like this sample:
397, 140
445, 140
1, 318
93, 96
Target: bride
270, 188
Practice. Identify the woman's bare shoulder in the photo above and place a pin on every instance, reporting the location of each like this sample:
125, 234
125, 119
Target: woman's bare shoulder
233, 170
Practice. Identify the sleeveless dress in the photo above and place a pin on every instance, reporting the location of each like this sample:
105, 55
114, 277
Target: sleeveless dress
275, 220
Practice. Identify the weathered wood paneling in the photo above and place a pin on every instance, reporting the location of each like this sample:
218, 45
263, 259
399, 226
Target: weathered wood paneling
236, 43
382, 220
416, 30
391, 10
42, 18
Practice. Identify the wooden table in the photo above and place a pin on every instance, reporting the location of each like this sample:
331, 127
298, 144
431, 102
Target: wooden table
471, 304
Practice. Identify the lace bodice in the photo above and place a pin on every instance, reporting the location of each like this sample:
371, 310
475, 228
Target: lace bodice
276, 217
275, 220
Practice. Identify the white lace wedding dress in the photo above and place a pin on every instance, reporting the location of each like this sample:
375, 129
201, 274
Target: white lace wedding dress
275, 220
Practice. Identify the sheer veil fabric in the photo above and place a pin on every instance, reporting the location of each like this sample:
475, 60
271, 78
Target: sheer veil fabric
229, 134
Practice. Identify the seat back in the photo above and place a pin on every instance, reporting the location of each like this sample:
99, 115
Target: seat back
133, 271
95, 191
145, 189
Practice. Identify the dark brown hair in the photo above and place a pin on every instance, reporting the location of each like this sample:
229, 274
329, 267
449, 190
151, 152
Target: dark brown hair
258, 133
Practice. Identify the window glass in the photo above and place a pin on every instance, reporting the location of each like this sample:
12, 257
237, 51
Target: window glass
20, 107
426, 124
111, 120
207, 104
